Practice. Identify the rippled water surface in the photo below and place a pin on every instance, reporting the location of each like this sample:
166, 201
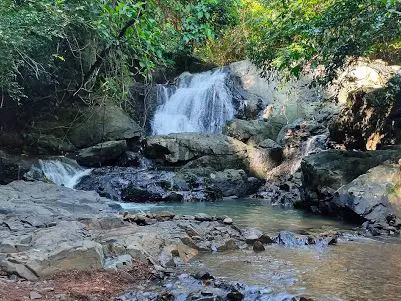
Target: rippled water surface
357, 269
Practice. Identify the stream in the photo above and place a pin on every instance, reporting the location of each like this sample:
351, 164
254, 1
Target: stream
356, 268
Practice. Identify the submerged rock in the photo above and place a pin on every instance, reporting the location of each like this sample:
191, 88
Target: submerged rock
292, 240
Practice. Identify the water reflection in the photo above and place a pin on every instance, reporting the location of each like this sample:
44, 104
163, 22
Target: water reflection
363, 269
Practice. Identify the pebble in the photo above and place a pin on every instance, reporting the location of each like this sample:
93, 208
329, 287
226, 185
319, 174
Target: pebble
34, 295
228, 221
258, 246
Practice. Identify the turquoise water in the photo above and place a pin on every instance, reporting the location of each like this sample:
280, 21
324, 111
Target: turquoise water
248, 213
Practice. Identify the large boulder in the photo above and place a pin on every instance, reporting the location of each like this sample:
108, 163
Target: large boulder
233, 182
257, 130
263, 157
105, 123
214, 150
13, 167
101, 154
374, 197
286, 100
325, 172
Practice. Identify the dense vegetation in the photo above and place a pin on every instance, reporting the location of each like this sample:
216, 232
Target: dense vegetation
59, 50
79, 49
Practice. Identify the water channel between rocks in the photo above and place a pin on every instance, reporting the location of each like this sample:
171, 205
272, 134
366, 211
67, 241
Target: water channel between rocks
354, 269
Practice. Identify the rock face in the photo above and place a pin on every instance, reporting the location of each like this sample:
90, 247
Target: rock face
199, 150
101, 154
13, 167
372, 86
324, 173
374, 197
107, 123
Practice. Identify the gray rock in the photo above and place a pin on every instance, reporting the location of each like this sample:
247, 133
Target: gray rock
303, 137
105, 123
35, 295
373, 197
292, 240
201, 149
257, 130
324, 173
258, 246
101, 154
228, 221
234, 182
252, 235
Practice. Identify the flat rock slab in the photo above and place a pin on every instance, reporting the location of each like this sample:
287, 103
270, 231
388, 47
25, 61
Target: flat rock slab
47, 229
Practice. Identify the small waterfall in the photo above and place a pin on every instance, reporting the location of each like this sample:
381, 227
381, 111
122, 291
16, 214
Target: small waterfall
63, 171
200, 103
311, 145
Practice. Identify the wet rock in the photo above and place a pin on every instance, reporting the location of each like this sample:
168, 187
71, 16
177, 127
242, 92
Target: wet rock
303, 137
289, 239
258, 246
252, 235
234, 182
292, 240
133, 159
101, 154
203, 275
284, 191
228, 221
139, 185
224, 245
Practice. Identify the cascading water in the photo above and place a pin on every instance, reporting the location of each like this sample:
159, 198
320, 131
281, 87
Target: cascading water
64, 172
200, 103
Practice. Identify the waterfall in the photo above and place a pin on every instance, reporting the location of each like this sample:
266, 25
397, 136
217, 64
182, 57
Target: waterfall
200, 103
62, 171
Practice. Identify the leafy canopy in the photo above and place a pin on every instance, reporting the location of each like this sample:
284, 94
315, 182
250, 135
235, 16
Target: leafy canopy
294, 34
56, 48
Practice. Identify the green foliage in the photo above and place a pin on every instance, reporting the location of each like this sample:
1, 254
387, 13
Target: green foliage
292, 35
57, 49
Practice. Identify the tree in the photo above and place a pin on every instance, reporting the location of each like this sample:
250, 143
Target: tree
294, 34
67, 50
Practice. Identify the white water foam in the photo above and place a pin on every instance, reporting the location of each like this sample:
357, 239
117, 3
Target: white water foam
64, 172
201, 103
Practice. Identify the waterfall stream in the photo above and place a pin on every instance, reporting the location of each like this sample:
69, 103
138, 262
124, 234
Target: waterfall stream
64, 172
200, 103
